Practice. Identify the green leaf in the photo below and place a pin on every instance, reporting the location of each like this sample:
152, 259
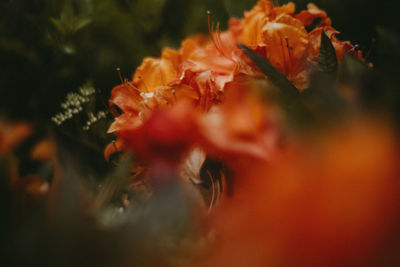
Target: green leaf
352, 70
327, 60
57, 23
81, 23
275, 76
18, 48
288, 94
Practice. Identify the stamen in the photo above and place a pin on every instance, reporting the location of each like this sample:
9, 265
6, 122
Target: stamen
132, 86
119, 75
290, 53
173, 93
213, 197
283, 55
145, 105
114, 145
216, 37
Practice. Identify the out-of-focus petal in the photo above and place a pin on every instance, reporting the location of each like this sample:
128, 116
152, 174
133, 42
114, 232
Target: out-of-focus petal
239, 126
11, 134
44, 150
329, 201
165, 135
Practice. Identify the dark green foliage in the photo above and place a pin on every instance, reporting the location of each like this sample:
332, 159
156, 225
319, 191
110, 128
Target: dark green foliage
327, 61
323, 98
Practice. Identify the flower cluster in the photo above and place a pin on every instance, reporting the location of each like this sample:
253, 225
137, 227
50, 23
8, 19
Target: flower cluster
203, 69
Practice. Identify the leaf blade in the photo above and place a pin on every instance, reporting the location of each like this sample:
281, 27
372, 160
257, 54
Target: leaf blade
275, 76
327, 60
289, 95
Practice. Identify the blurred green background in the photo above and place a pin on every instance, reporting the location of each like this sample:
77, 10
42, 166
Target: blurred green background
50, 47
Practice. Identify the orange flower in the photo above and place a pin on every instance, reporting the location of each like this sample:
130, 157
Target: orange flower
281, 37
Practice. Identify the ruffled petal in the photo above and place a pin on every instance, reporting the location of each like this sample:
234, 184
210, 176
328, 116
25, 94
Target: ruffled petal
157, 72
308, 16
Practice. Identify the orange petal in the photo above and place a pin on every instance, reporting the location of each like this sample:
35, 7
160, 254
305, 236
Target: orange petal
286, 41
289, 9
254, 20
11, 134
313, 12
125, 122
126, 97
155, 72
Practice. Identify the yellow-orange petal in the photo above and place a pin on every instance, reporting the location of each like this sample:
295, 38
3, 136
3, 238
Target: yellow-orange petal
254, 20
286, 41
289, 9
155, 72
